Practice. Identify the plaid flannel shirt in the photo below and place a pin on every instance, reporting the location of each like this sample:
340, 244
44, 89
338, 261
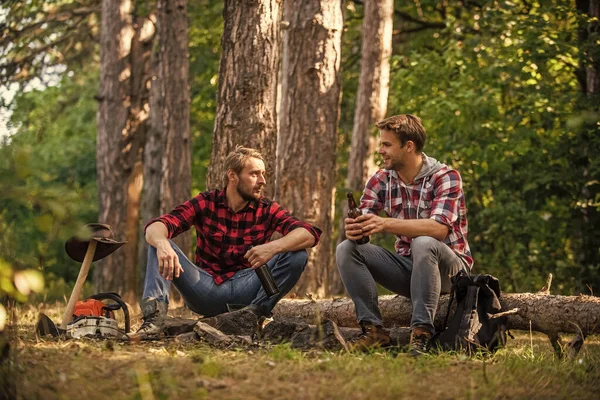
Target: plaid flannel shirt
438, 196
224, 236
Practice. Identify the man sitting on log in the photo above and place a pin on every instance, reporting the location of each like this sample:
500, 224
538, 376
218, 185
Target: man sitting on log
227, 222
425, 208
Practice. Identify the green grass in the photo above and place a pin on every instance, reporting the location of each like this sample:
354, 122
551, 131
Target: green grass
90, 369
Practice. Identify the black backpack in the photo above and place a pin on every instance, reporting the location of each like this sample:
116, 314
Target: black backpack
473, 325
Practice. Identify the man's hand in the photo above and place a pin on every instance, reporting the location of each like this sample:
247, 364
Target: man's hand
352, 229
168, 262
371, 224
364, 225
259, 255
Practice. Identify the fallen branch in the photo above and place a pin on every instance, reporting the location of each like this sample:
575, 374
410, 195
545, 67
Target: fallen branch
548, 313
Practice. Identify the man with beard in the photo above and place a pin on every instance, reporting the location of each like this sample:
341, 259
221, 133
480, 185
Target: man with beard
425, 205
233, 226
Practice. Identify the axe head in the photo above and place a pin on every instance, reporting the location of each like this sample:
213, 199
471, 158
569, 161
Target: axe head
45, 326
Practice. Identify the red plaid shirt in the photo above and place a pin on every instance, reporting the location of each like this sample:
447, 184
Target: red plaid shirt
438, 196
223, 236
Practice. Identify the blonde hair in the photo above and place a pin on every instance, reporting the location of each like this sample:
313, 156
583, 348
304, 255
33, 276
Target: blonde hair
236, 160
407, 127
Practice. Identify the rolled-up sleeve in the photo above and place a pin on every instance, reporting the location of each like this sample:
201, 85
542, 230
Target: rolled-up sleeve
446, 199
284, 222
182, 217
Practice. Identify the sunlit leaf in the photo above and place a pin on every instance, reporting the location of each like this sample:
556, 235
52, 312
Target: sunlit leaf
28, 281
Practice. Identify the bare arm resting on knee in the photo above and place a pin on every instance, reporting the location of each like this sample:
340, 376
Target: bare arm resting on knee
168, 262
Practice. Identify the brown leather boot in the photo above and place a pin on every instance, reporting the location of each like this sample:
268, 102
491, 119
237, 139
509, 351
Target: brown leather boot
419, 340
372, 337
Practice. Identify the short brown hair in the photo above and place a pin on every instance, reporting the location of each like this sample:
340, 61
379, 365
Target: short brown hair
237, 159
407, 127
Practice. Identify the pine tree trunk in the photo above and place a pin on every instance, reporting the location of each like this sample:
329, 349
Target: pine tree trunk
547, 313
311, 88
167, 151
121, 133
173, 67
247, 94
587, 33
153, 154
371, 102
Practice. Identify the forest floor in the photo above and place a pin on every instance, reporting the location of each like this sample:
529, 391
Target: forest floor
104, 369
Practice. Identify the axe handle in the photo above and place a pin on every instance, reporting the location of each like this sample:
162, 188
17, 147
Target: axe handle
83, 272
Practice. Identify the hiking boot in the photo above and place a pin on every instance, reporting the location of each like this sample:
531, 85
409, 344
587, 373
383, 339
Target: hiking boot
419, 340
154, 313
372, 337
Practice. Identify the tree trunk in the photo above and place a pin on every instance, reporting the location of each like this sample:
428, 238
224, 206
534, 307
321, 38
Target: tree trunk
311, 89
173, 67
122, 111
167, 151
247, 94
153, 154
547, 313
371, 102
589, 74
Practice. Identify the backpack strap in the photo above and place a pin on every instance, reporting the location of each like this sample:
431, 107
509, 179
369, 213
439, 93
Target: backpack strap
452, 293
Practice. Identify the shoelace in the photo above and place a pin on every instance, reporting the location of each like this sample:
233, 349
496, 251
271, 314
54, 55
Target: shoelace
148, 320
420, 342
358, 338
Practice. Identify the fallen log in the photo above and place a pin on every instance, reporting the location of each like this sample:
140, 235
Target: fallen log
549, 314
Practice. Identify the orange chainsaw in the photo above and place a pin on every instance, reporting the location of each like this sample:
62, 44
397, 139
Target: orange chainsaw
92, 317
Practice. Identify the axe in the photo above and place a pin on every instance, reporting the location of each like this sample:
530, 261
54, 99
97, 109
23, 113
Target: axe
45, 326
83, 273
98, 246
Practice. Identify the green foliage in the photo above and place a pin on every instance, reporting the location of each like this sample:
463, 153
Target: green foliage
48, 170
497, 86
498, 93
43, 39
205, 28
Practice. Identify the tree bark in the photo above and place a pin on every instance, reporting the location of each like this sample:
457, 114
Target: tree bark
311, 88
247, 93
371, 102
167, 151
121, 116
589, 74
173, 73
547, 313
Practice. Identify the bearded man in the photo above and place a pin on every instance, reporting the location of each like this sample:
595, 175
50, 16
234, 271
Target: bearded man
233, 226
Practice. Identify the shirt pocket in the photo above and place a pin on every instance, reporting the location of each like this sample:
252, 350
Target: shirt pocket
213, 236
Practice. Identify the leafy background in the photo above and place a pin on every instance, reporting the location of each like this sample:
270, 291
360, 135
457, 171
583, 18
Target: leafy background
496, 84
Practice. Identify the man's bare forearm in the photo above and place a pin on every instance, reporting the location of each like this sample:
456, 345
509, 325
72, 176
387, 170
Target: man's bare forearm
156, 232
416, 227
297, 239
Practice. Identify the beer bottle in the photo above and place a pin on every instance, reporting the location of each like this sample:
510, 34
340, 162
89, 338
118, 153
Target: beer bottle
354, 212
266, 279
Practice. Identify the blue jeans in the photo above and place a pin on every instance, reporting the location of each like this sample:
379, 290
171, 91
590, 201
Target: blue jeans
422, 277
203, 296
